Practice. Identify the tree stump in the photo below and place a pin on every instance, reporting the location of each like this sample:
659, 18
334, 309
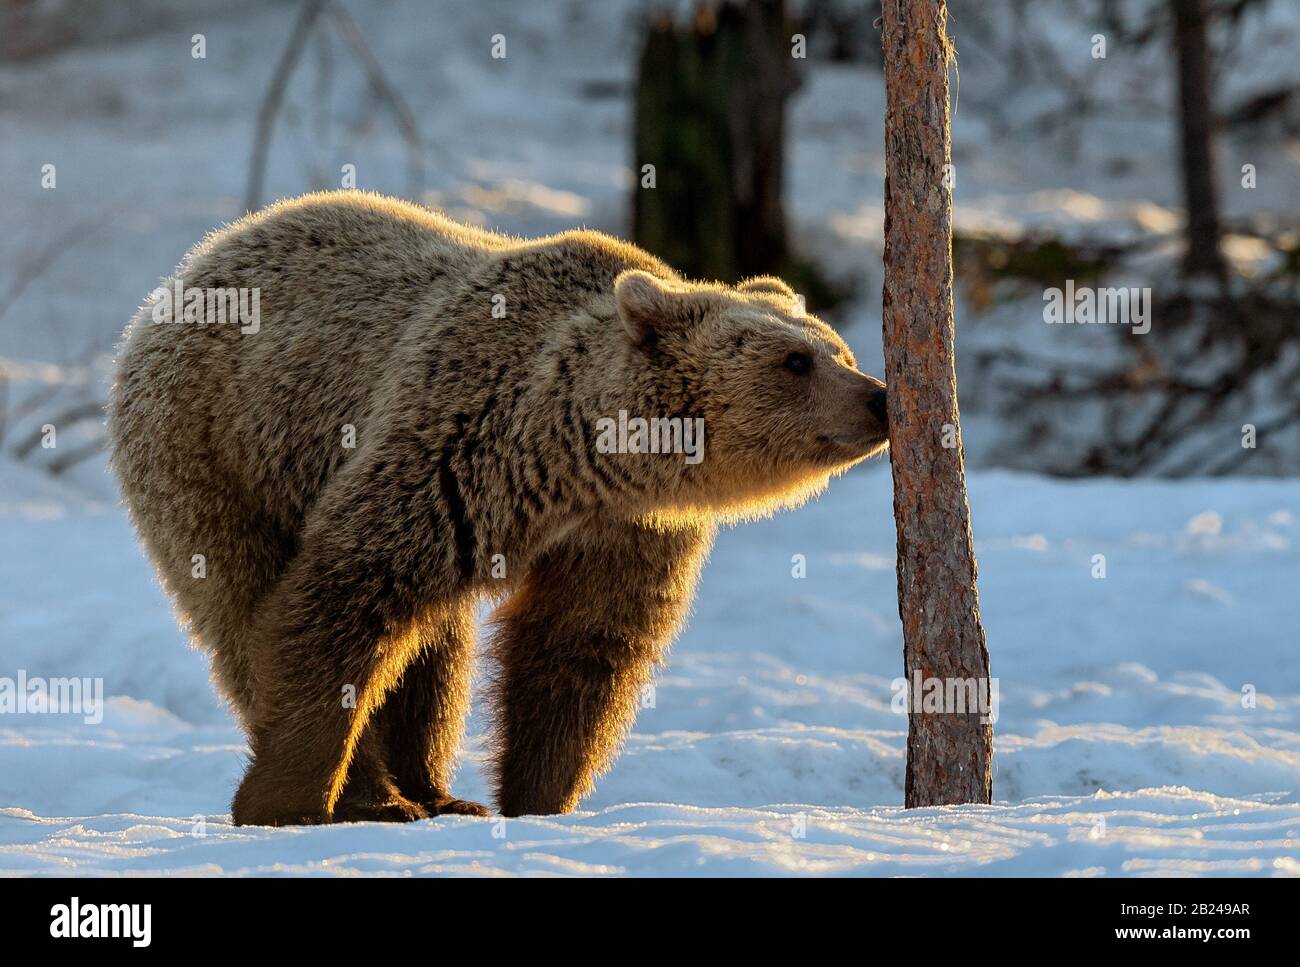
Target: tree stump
1204, 256
710, 118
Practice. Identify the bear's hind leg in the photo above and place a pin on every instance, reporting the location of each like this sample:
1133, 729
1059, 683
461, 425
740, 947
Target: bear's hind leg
218, 555
576, 644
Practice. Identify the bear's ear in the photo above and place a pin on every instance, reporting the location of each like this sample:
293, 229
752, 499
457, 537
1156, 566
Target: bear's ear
648, 305
767, 283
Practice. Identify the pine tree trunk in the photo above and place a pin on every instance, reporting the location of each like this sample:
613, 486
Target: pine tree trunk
1196, 115
948, 753
710, 117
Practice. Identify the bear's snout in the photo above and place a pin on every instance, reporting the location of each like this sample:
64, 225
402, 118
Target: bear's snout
876, 405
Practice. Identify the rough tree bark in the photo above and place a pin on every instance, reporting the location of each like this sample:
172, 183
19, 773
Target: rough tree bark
948, 754
1196, 115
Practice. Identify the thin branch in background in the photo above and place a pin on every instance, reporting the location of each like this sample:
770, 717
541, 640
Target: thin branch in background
69, 417
352, 35
28, 271
70, 458
39, 262
324, 94
305, 151
380, 87
46, 393
1178, 427
1240, 455
308, 14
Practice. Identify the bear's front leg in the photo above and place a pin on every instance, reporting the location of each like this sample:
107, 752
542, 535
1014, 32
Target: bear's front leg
324, 660
577, 643
422, 721
370, 793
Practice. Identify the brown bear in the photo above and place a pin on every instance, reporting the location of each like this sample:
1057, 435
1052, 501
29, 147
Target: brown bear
400, 417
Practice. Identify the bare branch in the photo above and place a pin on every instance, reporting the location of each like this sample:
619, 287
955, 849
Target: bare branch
69, 417
352, 35
308, 13
75, 456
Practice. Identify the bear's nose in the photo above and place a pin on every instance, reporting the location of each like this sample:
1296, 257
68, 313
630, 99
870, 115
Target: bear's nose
876, 404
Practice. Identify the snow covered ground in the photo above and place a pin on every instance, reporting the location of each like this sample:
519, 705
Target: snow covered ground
1122, 745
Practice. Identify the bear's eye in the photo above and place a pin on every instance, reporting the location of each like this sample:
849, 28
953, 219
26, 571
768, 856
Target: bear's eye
798, 363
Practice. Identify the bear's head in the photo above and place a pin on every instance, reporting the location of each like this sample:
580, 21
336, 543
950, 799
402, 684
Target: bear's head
776, 392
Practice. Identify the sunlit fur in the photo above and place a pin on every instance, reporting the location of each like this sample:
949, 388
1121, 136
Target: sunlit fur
332, 571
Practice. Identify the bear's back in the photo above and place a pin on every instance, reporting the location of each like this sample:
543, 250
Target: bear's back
367, 306
337, 279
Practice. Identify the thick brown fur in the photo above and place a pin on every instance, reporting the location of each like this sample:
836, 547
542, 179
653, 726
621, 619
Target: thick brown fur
339, 597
